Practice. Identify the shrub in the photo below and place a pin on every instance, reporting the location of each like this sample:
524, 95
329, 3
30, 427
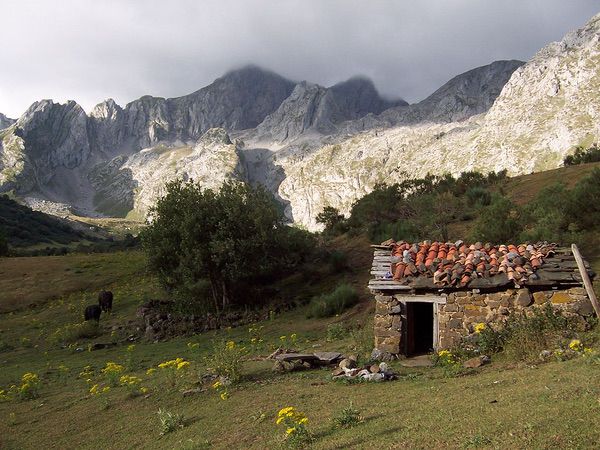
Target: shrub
226, 360
348, 417
498, 222
296, 430
524, 336
584, 207
327, 305
101, 393
169, 421
174, 369
334, 222
582, 156
133, 385
338, 261
112, 373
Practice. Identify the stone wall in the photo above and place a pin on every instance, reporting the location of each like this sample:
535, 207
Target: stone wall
458, 312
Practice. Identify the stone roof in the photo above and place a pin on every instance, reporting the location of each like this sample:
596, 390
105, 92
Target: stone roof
451, 266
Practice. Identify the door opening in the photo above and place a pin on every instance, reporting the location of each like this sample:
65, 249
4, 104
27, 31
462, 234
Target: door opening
419, 329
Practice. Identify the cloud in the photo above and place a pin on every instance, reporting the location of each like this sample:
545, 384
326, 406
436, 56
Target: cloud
90, 50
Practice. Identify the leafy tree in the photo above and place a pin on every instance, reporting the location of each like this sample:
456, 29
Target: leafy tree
231, 238
582, 156
498, 222
435, 212
584, 208
335, 223
545, 216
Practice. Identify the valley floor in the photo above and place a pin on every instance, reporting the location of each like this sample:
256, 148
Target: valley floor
552, 405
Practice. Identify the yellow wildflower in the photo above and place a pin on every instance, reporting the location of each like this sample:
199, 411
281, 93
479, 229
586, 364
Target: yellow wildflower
479, 327
230, 345
285, 411
144, 390
183, 365
217, 384
290, 430
575, 345
131, 348
224, 395
150, 371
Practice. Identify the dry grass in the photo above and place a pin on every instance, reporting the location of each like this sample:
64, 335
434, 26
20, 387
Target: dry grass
28, 281
524, 188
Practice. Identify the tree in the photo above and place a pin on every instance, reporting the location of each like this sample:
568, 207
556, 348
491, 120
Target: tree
498, 222
435, 212
335, 223
584, 208
229, 238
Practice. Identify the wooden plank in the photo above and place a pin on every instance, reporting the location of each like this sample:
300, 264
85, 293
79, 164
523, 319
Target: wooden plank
381, 247
586, 279
388, 287
422, 298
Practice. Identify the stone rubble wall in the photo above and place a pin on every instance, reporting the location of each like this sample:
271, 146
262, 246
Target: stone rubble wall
463, 309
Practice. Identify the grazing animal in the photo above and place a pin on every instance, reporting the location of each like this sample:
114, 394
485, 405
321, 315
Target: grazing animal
92, 312
105, 299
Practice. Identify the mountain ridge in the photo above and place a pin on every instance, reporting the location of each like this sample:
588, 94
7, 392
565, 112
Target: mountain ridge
312, 146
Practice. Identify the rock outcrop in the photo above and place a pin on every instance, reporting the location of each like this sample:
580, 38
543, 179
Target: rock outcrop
5, 122
129, 184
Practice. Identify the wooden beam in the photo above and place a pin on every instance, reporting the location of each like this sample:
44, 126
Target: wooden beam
589, 287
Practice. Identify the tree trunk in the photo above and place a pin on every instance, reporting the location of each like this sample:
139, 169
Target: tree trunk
215, 292
225, 295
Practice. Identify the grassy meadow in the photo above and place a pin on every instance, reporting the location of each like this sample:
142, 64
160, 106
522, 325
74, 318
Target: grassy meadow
503, 405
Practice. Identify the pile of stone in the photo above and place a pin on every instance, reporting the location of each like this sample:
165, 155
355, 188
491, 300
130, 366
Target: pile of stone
348, 369
158, 320
291, 362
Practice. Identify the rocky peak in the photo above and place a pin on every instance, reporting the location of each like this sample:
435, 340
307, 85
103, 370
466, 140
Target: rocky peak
309, 107
358, 97
5, 122
470, 93
55, 133
314, 109
107, 110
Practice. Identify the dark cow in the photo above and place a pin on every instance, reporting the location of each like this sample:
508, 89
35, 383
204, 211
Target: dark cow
105, 299
92, 312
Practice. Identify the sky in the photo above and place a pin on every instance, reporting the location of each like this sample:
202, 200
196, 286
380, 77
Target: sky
90, 50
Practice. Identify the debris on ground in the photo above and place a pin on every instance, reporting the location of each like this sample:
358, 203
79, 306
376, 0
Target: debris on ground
373, 372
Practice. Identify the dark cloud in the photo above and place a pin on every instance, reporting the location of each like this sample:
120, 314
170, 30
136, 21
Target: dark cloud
89, 50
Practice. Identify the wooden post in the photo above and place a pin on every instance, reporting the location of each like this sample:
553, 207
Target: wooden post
586, 279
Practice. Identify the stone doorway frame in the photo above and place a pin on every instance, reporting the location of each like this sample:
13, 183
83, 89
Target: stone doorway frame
437, 300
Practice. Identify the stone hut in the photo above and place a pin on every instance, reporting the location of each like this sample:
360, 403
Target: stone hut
430, 295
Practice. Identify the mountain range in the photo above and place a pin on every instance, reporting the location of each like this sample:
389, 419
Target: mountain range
312, 146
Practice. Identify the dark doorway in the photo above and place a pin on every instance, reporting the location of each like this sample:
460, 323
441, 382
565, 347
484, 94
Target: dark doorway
419, 328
